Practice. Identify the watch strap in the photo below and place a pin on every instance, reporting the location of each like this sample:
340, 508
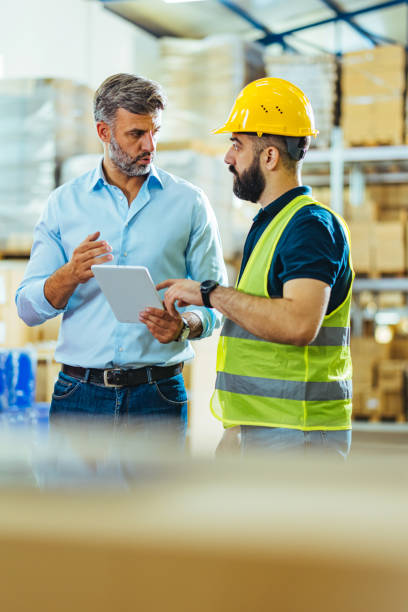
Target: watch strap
206, 288
184, 332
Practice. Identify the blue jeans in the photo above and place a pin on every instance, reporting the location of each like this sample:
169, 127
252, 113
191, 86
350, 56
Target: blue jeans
160, 404
280, 440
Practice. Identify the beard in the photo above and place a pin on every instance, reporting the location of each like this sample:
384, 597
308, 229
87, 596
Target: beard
250, 185
124, 162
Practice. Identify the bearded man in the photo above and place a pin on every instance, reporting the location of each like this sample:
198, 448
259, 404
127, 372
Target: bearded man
284, 363
127, 212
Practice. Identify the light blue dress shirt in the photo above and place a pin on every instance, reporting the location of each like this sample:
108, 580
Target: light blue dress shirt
169, 227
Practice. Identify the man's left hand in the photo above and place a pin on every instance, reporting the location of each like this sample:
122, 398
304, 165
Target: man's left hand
164, 326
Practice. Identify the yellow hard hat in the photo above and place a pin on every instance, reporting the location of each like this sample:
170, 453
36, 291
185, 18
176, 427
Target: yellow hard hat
271, 106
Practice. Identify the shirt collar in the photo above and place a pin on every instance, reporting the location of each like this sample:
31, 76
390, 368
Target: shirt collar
154, 177
97, 177
274, 207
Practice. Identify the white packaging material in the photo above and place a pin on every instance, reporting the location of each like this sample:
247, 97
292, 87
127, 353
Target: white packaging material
317, 77
202, 79
42, 122
211, 174
76, 165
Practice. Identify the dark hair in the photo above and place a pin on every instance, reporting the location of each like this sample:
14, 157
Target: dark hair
287, 146
133, 93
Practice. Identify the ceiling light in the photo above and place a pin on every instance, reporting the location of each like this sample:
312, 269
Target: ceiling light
180, 1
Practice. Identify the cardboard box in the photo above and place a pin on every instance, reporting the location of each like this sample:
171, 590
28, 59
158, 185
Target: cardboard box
391, 299
399, 349
49, 330
389, 247
361, 246
366, 354
378, 247
392, 405
372, 120
371, 403
362, 82
13, 331
379, 58
366, 404
373, 84
391, 375
364, 211
182, 536
47, 374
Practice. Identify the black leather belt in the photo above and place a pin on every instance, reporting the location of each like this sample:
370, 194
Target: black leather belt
119, 377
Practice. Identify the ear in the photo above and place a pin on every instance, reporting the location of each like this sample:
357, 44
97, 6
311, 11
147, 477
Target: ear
103, 130
271, 157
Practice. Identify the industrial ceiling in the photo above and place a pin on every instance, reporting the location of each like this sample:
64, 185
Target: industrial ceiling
305, 26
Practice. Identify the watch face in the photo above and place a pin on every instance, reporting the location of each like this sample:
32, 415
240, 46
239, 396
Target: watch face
184, 334
208, 284
206, 287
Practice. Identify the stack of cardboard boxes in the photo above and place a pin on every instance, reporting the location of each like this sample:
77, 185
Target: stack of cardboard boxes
379, 247
373, 85
14, 333
379, 379
378, 227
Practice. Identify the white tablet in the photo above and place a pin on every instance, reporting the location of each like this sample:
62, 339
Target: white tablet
128, 289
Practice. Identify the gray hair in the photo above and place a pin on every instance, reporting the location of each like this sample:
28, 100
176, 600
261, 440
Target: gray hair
133, 93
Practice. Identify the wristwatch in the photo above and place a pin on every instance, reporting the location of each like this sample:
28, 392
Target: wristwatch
185, 331
206, 287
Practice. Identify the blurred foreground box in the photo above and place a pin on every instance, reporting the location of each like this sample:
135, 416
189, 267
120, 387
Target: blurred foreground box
164, 533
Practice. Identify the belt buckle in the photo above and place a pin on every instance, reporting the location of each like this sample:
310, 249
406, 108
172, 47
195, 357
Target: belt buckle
105, 377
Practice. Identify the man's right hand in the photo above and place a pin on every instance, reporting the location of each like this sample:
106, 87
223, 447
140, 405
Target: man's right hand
61, 285
89, 253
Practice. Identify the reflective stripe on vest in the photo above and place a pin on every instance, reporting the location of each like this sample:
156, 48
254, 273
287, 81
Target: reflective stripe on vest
327, 336
285, 389
276, 385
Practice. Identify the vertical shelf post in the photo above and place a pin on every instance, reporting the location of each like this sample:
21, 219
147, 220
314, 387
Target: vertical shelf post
337, 171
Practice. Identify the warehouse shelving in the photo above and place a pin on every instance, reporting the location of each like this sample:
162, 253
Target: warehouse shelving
339, 158
381, 284
358, 166
376, 286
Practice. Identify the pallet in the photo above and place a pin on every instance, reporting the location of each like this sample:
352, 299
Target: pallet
378, 418
371, 142
4, 255
376, 274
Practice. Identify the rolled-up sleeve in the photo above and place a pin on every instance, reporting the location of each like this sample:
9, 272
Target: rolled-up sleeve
205, 260
47, 255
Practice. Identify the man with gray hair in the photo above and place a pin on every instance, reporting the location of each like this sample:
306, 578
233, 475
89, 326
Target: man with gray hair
131, 213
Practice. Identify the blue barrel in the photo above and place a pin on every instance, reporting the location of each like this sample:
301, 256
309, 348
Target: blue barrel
17, 379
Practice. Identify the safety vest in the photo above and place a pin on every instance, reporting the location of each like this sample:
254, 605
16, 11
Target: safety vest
281, 385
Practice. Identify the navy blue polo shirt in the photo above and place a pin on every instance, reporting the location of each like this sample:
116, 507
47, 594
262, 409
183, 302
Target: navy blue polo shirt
313, 245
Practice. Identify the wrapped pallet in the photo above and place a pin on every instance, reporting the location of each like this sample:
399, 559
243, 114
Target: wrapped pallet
210, 173
42, 122
316, 76
202, 79
373, 84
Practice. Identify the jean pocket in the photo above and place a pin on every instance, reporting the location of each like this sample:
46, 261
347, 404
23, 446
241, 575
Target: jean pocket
64, 388
172, 390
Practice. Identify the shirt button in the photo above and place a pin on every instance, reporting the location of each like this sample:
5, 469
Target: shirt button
124, 254
120, 349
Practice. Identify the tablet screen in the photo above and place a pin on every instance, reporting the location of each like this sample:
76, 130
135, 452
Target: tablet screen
128, 289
